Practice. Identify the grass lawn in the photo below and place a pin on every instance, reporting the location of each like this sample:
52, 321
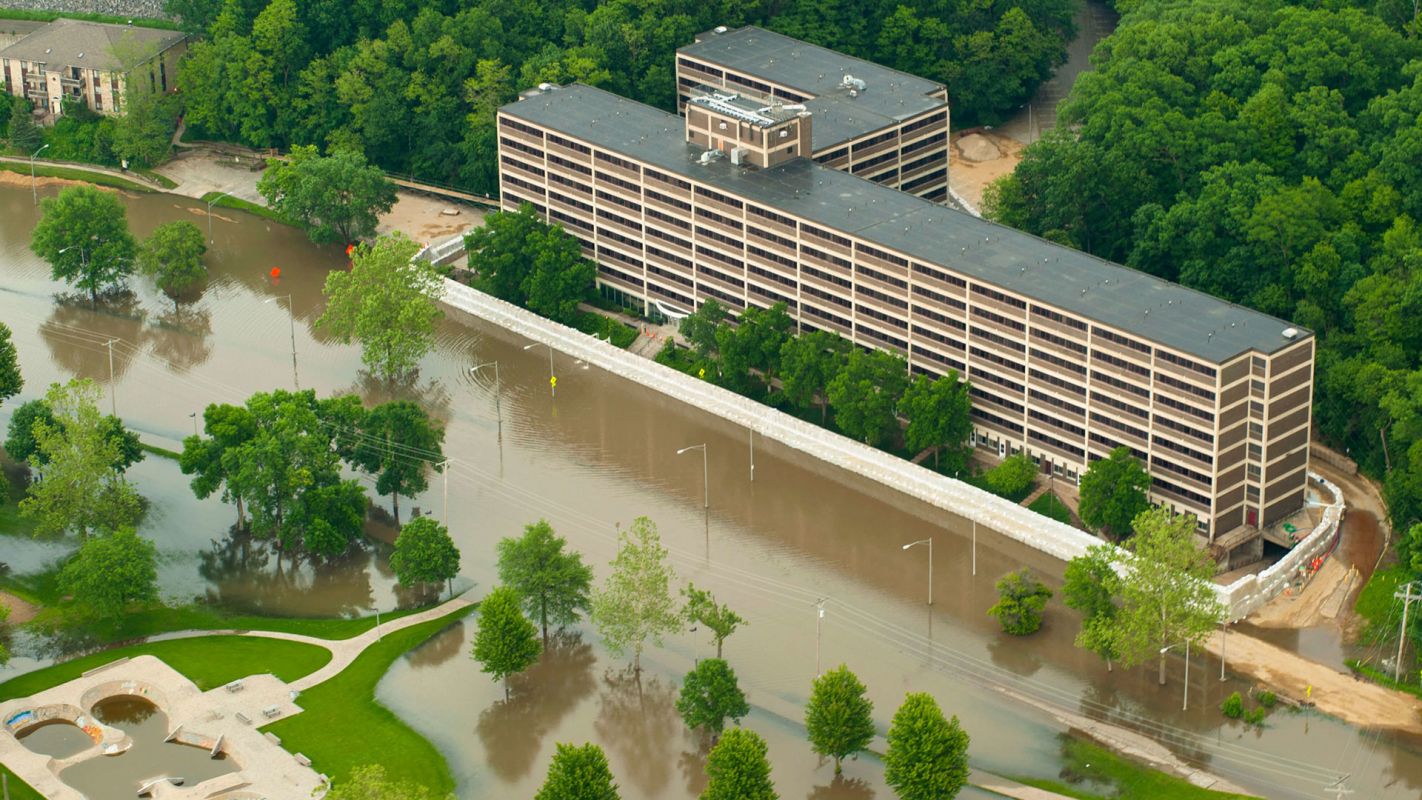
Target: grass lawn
244, 205
1376, 603
47, 16
19, 790
209, 661
1119, 777
1048, 505
76, 174
343, 727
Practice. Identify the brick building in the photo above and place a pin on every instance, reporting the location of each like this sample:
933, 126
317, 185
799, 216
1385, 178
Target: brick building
90, 62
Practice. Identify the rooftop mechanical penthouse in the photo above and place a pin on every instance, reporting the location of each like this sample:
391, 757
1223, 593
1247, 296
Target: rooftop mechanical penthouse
1069, 356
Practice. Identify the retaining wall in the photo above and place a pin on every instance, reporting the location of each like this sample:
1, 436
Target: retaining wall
1006, 518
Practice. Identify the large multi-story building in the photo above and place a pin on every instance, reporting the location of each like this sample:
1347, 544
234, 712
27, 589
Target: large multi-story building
881, 124
1068, 356
89, 62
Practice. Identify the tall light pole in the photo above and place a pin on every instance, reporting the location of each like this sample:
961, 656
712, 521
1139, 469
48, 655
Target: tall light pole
819, 621
498, 390
751, 433
209, 214
113, 399
705, 474
33, 189
193, 417
975, 548
552, 379
444, 468
929, 542
291, 317
1185, 701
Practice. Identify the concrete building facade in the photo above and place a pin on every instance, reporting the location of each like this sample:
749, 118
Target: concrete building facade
89, 62
1068, 356
881, 124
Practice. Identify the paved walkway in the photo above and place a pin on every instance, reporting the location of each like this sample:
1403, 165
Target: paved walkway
233, 717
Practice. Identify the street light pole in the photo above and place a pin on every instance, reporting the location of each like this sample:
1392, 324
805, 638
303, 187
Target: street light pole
751, 432
819, 620
193, 417
975, 548
552, 379
1185, 701
929, 542
705, 474
33, 189
291, 317
209, 214
498, 391
444, 468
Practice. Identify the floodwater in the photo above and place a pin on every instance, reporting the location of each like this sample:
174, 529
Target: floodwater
57, 738
598, 455
119, 777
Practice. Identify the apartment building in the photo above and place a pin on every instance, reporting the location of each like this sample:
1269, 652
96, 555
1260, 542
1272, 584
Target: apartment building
89, 62
1069, 356
881, 124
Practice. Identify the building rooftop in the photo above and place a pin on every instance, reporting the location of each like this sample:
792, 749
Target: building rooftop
1153, 309
888, 96
92, 45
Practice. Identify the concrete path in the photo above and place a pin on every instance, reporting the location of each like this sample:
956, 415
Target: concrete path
1010, 788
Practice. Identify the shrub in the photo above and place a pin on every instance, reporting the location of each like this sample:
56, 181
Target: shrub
1012, 477
1267, 699
1233, 706
1021, 598
1255, 716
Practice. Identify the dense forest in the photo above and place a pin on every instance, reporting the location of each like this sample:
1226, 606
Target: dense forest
1269, 153
414, 83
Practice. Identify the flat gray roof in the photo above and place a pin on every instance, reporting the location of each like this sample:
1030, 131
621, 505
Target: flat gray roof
91, 45
1156, 310
888, 97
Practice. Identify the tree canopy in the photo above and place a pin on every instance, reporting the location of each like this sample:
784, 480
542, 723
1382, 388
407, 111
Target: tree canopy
553, 583
83, 234
369, 783
336, 198
1020, 601
578, 773
522, 259
424, 553
865, 394
1091, 586
737, 768
1012, 477
710, 696
172, 256
506, 643
398, 443
386, 302
11, 382
927, 757
702, 609
839, 718
112, 572
1113, 491
635, 603
937, 412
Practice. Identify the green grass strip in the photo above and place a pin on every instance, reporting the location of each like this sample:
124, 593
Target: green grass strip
208, 661
1088, 762
228, 201
76, 174
161, 452
19, 790
163, 619
50, 16
1049, 505
343, 727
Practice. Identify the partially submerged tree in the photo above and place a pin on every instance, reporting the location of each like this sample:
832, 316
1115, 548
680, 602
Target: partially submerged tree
839, 718
424, 553
553, 584
83, 234
386, 302
737, 768
111, 573
506, 643
702, 609
1020, 601
213, 458
172, 256
635, 602
1090, 586
578, 773
927, 757
398, 443
1114, 490
710, 696
11, 381
369, 783
336, 197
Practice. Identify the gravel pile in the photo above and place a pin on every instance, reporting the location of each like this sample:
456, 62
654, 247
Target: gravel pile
120, 8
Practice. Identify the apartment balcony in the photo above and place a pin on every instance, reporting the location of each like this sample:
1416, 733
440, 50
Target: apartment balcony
65, 80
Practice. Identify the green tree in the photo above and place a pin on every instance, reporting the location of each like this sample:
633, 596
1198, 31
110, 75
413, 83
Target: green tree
1090, 586
143, 134
110, 573
635, 602
172, 256
424, 553
1166, 595
368, 782
506, 643
1020, 601
710, 696
553, 584
807, 365
1113, 492
523, 260
11, 382
398, 443
25, 135
702, 609
336, 198
82, 490
1011, 477
737, 768
214, 458
700, 326
927, 757
386, 303
839, 718
83, 234
937, 412
865, 394
578, 773
4, 634
20, 440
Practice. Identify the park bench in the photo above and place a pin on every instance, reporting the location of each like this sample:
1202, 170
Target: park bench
243, 718
235, 686
271, 711
302, 760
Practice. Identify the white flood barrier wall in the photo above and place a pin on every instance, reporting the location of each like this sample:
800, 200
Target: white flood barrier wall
1003, 517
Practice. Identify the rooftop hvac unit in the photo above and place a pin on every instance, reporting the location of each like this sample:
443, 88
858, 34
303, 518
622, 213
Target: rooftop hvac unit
852, 83
1291, 333
738, 155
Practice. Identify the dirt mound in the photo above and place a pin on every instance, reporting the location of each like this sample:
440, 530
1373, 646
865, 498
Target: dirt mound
978, 148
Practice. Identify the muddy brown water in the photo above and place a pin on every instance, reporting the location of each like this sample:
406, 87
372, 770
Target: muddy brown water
599, 454
119, 777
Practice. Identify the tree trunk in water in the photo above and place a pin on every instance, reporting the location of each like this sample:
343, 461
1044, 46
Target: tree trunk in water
1108, 665
395, 504
718, 647
1162, 669
837, 769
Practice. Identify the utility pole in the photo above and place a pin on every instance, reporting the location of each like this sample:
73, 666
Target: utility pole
113, 400
444, 468
751, 433
819, 620
975, 548
1406, 596
1337, 787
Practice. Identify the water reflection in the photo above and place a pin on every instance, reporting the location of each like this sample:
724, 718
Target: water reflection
637, 720
1015, 654
692, 764
181, 337
249, 574
76, 333
539, 698
115, 777
439, 649
57, 738
842, 788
